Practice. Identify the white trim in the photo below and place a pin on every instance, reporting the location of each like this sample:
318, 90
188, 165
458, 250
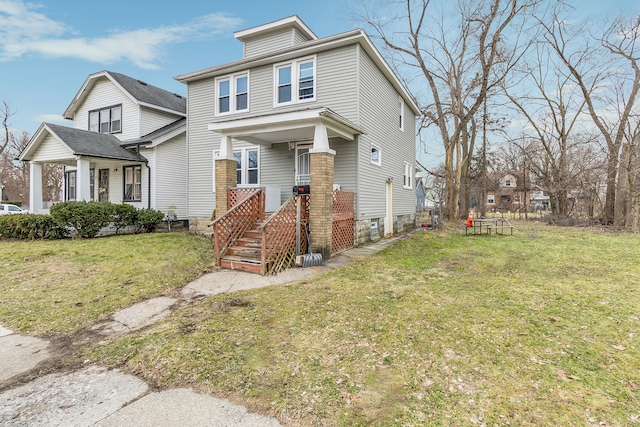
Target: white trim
232, 79
407, 176
291, 21
375, 147
401, 112
295, 81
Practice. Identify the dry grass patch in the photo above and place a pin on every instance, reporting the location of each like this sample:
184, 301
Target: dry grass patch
538, 329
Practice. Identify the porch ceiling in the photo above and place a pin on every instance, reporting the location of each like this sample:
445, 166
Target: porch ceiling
287, 127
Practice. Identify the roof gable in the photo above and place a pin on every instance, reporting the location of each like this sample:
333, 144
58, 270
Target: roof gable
80, 143
138, 91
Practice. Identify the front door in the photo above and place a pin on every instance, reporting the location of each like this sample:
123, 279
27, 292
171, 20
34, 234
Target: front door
103, 185
303, 163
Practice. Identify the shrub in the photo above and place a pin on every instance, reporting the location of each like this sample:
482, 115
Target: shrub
123, 216
87, 218
148, 220
30, 226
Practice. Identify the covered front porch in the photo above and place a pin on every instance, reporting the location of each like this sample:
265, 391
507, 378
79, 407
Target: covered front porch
309, 133
96, 167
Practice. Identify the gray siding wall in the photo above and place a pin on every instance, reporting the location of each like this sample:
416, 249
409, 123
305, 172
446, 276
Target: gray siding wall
169, 178
105, 94
200, 145
153, 120
268, 43
379, 115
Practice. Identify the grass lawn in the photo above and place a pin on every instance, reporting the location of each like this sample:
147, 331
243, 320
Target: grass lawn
536, 329
57, 287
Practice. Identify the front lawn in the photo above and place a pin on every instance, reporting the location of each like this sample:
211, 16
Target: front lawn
536, 329
60, 286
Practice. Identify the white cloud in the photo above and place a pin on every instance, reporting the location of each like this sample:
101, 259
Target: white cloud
25, 31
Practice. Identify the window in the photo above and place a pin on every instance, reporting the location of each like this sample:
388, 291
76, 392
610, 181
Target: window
401, 112
375, 155
247, 166
491, 199
516, 198
295, 82
238, 85
132, 183
507, 183
375, 230
408, 176
70, 185
92, 186
107, 120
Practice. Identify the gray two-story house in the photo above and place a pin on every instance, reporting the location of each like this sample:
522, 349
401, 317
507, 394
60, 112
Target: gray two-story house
301, 110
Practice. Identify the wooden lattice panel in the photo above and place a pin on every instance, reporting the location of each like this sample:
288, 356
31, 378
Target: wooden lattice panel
236, 221
237, 195
343, 222
279, 236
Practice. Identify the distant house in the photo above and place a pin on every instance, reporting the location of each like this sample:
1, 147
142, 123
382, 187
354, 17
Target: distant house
127, 145
301, 110
508, 191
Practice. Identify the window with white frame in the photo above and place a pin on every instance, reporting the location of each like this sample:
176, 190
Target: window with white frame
247, 166
376, 155
106, 120
401, 112
407, 176
491, 199
132, 183
232, 94
70, 185
516, 198
295, 82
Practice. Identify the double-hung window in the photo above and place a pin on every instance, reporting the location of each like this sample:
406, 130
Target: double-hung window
295, 82
70, 185
375, 155
132, 183
408, 176
232, 94
247, 166
106, 120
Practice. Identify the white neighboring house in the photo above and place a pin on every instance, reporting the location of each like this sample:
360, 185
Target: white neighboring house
127, 145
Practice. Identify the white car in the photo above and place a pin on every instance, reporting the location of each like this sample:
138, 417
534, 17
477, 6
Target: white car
7, 209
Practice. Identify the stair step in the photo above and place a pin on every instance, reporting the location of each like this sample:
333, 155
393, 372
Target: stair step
236, 263
245, 252
253, 234
249, 242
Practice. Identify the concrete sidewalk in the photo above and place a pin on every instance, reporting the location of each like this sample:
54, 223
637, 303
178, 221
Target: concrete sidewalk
96, 396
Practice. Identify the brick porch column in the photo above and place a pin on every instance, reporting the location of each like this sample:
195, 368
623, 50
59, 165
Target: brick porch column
321, 159
226, 175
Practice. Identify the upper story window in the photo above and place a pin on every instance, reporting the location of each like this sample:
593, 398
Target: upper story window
233, 94
295, 82
507, 183
106, 120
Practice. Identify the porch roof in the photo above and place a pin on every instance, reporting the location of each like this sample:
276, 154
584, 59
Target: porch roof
80, 143
287, 127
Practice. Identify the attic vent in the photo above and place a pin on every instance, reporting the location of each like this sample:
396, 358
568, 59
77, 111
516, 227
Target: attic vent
142, 83
179, 96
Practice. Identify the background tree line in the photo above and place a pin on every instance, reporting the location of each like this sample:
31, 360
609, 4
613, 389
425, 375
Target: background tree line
522, 85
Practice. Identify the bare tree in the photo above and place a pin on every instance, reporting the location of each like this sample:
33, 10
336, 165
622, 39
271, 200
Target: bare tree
5, 114
461, 57
617, 63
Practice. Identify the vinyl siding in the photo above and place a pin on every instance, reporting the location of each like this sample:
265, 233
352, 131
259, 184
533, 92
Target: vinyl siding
153, 120
379, 116
51, 150
169, 178
201, 143
269, 43
105, 94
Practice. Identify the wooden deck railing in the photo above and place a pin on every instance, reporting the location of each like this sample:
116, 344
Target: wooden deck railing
236, 221
279, 235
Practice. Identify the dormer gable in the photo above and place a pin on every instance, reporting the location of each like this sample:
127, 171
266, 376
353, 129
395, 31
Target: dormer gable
508, 181
281, 34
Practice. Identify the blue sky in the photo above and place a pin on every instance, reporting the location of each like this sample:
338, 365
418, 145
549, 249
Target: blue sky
48, 48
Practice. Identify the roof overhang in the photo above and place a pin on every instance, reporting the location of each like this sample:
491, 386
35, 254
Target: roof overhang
287, 127
290, 22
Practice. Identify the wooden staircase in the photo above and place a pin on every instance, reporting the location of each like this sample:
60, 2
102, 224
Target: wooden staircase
246, 254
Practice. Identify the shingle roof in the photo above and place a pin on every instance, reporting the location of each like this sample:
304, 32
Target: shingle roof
150, 94
93, 144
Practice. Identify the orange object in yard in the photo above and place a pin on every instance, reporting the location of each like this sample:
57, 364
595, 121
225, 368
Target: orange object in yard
469, 222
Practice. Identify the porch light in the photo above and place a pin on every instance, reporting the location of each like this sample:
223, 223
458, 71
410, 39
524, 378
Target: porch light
292, 145
115, 170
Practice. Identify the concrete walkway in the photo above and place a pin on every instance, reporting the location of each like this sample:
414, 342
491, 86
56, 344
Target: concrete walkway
97, 396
